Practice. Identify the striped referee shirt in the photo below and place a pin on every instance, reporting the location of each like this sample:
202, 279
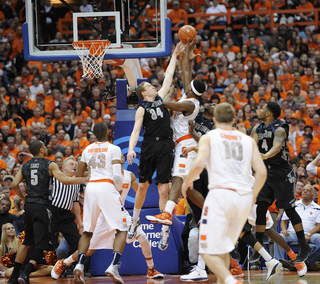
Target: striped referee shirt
63, 195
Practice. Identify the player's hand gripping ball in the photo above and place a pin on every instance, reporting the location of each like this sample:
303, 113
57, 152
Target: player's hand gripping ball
187, 32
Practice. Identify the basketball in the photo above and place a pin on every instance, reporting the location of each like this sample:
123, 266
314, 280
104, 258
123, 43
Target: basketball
187, 32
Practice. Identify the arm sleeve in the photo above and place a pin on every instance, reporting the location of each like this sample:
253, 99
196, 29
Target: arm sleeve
312, 169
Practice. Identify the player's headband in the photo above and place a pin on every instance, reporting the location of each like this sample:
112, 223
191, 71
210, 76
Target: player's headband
198, 87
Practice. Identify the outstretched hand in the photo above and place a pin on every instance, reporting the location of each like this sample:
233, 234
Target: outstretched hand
179, 49
130, 157
190, 46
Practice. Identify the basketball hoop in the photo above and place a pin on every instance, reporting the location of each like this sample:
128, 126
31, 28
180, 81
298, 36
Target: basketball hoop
92, 61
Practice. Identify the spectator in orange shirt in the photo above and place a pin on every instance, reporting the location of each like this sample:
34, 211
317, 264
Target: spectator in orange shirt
312, 100
261, 94
286, 77
232, 100
13, 151
302, 112
57, 117
26, 76
177, 15
311, 113
83, 141
50, 156
306, 16
262, 5
232, 47
17, 44
308, 78
221, 72
35, 122
60, 138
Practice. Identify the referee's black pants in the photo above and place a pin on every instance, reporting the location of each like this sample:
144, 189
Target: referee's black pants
63, 221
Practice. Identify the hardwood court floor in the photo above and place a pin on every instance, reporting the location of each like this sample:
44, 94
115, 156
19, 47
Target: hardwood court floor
255, 277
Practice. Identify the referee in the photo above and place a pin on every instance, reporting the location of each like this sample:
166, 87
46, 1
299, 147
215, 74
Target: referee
64, 199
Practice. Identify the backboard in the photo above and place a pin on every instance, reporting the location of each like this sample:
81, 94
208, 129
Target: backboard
134, 31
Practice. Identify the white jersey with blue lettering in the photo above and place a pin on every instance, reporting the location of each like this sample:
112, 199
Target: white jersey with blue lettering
126, 184
229, 163
99, 156
180, 122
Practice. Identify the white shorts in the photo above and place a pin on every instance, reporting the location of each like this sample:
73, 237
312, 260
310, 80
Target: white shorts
253, 216
182, 165
103, 237
223, 217
103, 197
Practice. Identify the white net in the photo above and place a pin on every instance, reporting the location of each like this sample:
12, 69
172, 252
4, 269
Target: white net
92, 60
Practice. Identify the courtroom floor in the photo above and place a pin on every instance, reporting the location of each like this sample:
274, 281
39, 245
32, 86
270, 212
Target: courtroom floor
254, 277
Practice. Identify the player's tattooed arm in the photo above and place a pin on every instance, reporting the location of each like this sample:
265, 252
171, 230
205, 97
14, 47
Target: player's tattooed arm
280, 136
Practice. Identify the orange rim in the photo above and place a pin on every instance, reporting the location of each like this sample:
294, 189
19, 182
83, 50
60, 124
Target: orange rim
89, 43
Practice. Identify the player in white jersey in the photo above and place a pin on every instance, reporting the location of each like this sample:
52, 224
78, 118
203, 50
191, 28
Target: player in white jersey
103, 237
228, 155
102, 196
185, 109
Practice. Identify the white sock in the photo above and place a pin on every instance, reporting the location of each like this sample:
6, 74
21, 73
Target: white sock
69, 260
201, 263
136, 213
265, 254
164, 228
230, 280
170, 206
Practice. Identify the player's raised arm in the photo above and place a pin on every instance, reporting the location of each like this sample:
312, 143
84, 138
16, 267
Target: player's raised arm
60, 176
170, 72
135, 135
280, 136
187, 59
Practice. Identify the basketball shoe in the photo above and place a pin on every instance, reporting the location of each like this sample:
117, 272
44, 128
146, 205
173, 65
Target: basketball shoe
236, 271
133, 228
78, 274
164, 240
113, 272
301, 268
154, 274
164, 218
58, 268
196, 274
274, 268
